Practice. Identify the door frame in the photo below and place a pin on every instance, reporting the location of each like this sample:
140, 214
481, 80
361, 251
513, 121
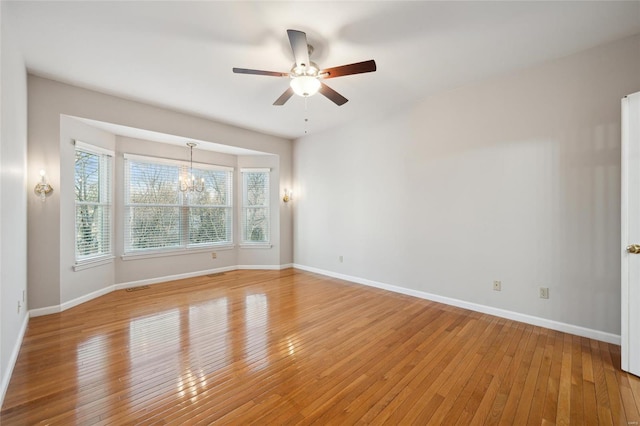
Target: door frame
630, 234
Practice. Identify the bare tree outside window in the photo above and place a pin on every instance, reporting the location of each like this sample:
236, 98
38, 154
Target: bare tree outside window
255, 223
153, 206
92, 178
210, 213
161, 216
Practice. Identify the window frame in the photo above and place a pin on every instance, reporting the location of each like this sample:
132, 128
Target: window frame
106, 171
244, 241
182, 204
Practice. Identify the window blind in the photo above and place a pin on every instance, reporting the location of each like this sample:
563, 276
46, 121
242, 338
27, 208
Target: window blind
256, 220
159, 216
93, 200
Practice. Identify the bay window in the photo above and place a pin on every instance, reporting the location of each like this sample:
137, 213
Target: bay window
160, 216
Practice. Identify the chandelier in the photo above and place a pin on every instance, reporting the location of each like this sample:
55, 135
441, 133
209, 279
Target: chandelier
190, 185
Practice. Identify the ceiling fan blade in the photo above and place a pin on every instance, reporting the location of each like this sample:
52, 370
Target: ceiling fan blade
357, 68
298, 41
284, 97
333, 96
260, 72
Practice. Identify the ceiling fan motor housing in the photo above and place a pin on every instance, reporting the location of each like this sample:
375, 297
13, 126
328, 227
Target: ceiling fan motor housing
311, 70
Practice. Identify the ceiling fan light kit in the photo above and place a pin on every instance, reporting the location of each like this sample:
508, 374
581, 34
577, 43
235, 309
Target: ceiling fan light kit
306, 76
305, 85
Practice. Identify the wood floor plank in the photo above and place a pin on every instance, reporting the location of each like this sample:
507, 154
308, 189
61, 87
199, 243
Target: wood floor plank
529, 386
602, 394
483, 413
563, 414
292, 347
519, 377
577, 393
430, 381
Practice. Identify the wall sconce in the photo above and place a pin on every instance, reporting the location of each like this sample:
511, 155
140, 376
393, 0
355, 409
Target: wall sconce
43, 188
287, 195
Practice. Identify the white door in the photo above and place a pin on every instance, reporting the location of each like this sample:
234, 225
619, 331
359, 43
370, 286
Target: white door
630, 203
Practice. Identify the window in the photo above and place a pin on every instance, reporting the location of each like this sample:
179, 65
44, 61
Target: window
93, 170
255, 206
158, 216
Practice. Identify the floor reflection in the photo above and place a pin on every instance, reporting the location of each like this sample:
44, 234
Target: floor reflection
154, 357
208, 334
256, 323
92, 362
147, 353
154, 334
184, 351
91, 356
94, 365
192, 344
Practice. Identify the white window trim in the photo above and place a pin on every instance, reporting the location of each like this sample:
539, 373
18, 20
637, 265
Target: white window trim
266, 245
182, 250
93, 262
93, 148
174, 162
104, 258
173, 252
250, 170
248, 244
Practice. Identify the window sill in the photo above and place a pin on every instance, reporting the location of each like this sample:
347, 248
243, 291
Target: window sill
92, 263
256, 246
180, 252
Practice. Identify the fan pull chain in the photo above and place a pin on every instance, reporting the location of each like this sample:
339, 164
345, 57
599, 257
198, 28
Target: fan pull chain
306, 120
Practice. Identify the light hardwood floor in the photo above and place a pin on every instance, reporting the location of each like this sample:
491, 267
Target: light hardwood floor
286, 347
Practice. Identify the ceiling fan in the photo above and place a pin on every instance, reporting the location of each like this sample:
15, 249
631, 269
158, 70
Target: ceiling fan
306, 77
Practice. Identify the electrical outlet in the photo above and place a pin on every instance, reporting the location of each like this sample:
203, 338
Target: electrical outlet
340, 259
544, 292
214, 255
497, 285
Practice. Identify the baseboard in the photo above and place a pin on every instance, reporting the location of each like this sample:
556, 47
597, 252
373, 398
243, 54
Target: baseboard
47, 310
503, 313
12, 360
71, 303
120, 286
78, 300
265, 267
164, 279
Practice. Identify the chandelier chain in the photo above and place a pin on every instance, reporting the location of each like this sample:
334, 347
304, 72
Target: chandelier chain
190, 185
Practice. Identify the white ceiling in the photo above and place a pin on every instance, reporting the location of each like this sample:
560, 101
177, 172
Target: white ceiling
179, 55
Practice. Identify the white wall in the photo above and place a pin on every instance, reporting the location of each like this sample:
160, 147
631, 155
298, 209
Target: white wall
514, 179
13, 199
53, 283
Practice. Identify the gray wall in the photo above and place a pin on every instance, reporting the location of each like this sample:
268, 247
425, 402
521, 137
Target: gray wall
13, 197
514, 179
54, 282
